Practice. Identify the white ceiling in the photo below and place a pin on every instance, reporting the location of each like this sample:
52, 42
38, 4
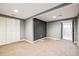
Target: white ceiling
29, 9
25, 9
61, 13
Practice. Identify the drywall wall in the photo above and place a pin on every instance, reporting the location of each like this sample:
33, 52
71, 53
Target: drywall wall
9, 30
22, 29
29, 29
54, 29
78, 28
75, 24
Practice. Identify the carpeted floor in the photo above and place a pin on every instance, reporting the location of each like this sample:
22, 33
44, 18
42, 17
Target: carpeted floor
45, 47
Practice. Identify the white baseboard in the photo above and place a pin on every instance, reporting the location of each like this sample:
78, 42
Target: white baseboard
30, 41
52, 38
5, 43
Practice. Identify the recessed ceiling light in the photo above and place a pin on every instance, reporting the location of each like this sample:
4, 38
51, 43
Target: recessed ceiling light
15, 10
54, 16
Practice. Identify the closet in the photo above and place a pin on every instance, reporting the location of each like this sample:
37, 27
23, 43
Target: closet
39, 28
9, 30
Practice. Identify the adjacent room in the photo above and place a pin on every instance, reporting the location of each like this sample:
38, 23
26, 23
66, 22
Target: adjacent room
39, 29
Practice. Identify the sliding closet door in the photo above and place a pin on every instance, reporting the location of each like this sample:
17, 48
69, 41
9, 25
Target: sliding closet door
2, 30
9, 30
39, 29
13, 30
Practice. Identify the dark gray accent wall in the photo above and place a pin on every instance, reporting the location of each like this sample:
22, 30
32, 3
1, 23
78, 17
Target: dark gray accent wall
39, 29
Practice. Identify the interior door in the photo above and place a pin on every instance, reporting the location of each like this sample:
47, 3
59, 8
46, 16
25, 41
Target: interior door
67, 30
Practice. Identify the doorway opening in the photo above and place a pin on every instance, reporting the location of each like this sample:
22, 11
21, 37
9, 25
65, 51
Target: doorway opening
67, 30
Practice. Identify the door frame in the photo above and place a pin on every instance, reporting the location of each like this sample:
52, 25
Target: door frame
72, 29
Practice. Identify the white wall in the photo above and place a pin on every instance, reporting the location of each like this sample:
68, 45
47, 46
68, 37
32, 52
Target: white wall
54, 30
9, 30
29, 29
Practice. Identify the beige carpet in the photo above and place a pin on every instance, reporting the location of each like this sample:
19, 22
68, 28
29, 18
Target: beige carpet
45, 47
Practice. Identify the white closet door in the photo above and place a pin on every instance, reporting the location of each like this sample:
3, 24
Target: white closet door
9, 30
2, 30
13, 30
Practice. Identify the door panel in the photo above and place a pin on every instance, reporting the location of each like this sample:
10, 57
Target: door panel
9, 30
